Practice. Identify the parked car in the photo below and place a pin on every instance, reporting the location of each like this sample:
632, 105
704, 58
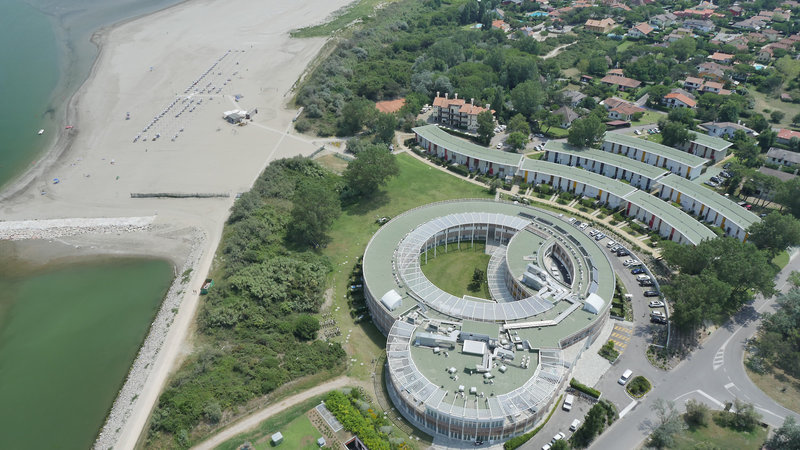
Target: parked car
656, 304
651, 293
646, 283
584, 226
577, 223
661, 320
559, 436
547, 446
593, 232
716, 179
610, 243
629, 262
711, 183
499, 145
575, 424
637, 132
568, 402
623, 252
625, 377
726, 165
642, 277
637, 270
657, 314
571, 220
599, 236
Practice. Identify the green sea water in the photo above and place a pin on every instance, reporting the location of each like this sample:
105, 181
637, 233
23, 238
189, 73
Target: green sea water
67, 338
45, 56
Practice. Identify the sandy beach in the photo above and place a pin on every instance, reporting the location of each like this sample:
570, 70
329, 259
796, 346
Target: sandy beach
168, 76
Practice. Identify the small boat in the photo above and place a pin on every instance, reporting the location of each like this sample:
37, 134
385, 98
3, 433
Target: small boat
41, 132
68, 127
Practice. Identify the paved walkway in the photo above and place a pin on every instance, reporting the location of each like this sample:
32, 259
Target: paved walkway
251, 421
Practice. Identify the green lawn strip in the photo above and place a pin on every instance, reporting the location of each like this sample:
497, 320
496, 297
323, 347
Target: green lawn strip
283, 422
781, 260
719, 437
452, 271
781, 387
649, 117
359, 9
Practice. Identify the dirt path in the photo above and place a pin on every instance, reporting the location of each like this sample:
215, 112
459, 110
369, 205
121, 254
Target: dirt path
251, 421
556, 50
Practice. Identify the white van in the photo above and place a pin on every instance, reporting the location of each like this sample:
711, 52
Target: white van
642, 277
625, 377
568, 402
575, 424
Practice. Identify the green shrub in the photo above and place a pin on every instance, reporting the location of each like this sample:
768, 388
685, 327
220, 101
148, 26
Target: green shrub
639, 386
575, 384
459, 169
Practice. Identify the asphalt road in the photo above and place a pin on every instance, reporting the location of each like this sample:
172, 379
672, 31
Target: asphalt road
713, 374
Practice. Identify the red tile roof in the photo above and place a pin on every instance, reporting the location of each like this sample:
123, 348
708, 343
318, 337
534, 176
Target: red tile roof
786, 134
390, 106
621, 81
682, 98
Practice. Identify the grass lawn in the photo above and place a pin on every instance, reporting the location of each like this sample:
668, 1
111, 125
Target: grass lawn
781, 387
341, 18
719, 437
332, 163
657, 138
648, 118
292, 423
781, 260
557, 132
417, 184
452, 271
624, 45
763, 102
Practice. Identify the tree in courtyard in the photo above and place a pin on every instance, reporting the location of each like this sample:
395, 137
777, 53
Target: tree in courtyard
757, 122
517, 140
478, 278
675, 133
527, 97
586, 132
747, 152
745, 417
384, 127
682, 115
356, 113
788, 195
560, 445
519, 123
485, 127
787, 436
794, 278
775, 233
371, 169
493, 185
657, 93
668, 424
315, 207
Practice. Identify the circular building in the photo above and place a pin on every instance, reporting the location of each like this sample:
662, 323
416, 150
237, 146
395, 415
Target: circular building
483, 369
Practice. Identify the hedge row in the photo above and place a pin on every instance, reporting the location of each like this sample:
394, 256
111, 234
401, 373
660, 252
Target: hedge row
523, 438
575, 384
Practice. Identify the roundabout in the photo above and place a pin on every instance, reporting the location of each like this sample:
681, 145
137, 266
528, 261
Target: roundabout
483, 369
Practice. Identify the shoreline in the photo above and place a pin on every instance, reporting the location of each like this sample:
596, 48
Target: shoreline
177, 43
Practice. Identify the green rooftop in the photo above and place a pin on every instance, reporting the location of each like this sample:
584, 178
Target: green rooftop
608, 158
596, 180
711, 199
444, 139
676, 218
711, 142
658, 149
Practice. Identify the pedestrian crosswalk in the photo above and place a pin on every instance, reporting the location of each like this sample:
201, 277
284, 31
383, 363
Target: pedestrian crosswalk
620, 335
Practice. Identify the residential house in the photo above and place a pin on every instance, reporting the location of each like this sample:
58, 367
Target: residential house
771, 34
765, 54
700, 13
703, 26
613, 102
714, 87
624, 111
574, 97
664, 20
586, 78
705, 146
725, 129
678, 100
722, 58
567, 116
736, 10
752, 23
600, 26
783, 157
679, 34
620, 82
457, 112
785, 136
711, 71
693, 83
641, 30
501, 25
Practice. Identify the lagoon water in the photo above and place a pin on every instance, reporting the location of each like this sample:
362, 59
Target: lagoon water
68, 335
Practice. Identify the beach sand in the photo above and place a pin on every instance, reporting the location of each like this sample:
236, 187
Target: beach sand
144, 66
